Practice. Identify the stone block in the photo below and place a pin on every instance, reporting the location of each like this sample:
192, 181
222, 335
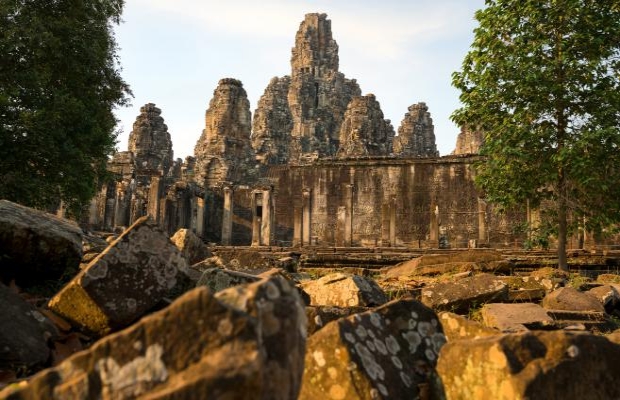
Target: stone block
570, 299
512, 317
459, 296
243, 343
344, 290
190, 246
458, 327
385, 353
531, 365
127, 279
36, 246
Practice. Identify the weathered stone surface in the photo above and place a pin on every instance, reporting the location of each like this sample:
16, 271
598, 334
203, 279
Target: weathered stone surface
35, 245
190, 246
461, 295
24, 333
218, 279
150, 142
344, 290
416, 134
319, 316
514, 317
527, 288
318, 94
570, 299
607, 295
135, 272
364, 131
385, 353
457, 327
224, 150
608, 278
441, 263
531, 365
245, 343
468, 141
273, 123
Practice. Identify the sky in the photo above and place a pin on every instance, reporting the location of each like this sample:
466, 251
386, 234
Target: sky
173, 53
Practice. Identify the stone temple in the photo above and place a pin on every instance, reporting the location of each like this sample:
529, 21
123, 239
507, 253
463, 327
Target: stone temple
317, 165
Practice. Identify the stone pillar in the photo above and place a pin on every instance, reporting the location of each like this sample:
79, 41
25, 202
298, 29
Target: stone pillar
200, 216
385, 225
257, 202
482, 222
297, 226
227, 217
305, 219
348, 222
392, 230
155, 193
341, 218
120, 206
193, 206
267, 219
434, 227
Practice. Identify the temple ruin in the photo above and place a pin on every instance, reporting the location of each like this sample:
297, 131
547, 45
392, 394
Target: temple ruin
317, 166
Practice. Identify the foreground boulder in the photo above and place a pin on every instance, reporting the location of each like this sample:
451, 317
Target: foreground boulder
459, 296
533, 365
127, 279
36, 246
24, 333
190, 246
386, 353
247, 342
344, 290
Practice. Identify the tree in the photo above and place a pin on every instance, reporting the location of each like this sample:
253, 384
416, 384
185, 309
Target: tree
542, 79
59, 85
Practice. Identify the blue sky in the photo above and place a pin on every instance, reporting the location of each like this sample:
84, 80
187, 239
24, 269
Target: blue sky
173, 53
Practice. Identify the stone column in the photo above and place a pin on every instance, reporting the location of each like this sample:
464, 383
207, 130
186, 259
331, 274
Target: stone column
267, 219
340, 223
434, 227
200, 216
227, 217
348, 222
256, 218
297, 226
305, 219
482, 222
193, 206
120, 206
392, 231
385, 225
155, 193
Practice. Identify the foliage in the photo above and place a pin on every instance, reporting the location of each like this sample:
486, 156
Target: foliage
59, 84
542, 81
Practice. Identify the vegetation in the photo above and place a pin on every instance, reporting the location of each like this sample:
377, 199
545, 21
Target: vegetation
542, 80
59, 85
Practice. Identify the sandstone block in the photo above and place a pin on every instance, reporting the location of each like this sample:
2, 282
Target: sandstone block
513, 317
457, 327
607, 295
127, 279
344, 290
459, 296
218, 279
245, 343
530, 365
35, 245
190, 246
385, 353
446, 262
24, 333
319, 316
570, 299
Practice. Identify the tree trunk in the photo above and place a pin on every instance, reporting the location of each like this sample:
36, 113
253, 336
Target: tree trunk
562, 222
